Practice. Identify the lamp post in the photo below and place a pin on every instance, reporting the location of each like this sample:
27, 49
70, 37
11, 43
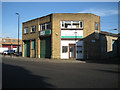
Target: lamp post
18, 31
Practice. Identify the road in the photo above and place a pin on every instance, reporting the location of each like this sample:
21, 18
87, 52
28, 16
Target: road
31, 73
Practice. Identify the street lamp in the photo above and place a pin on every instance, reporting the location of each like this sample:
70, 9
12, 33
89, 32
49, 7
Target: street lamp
18, 31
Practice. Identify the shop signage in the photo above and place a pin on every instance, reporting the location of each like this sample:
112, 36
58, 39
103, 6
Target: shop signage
46, 32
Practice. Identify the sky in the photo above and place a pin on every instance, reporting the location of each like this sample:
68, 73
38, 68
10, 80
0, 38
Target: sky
31, 10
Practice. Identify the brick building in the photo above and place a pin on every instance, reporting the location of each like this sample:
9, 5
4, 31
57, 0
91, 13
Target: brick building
62, 36
10, 43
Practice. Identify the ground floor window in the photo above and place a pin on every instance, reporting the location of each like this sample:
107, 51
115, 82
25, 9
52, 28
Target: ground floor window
64, 49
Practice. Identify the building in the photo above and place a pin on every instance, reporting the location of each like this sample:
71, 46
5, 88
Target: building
61, 36
10, 43
108, 44
119, 44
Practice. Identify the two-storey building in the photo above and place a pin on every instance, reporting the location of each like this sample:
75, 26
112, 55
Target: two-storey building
62, 36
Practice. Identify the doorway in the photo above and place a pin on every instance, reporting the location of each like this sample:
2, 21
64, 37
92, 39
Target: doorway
72, 51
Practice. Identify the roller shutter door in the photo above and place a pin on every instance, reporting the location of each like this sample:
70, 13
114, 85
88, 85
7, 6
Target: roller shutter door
45, 51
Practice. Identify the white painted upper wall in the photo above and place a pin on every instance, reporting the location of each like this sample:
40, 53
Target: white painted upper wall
72, 33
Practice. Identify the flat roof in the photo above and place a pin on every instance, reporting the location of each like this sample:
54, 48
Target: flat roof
56, 13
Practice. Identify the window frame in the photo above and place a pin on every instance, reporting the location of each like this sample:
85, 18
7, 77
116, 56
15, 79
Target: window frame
14, 41
9, 41
26, 30
33, 27
45, 24
72, 26
64, 49
97, 26
4, 40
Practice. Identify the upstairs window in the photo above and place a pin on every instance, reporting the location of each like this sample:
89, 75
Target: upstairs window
33, 28
67, 24
72, 24
26, 30
76, 24
4, 40
48, 25
9, 40
45, 26
96, 26
14, 40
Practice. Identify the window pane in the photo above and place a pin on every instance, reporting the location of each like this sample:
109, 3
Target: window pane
3, 40
9, 40
43, 26
14, 41
33, 28
75, 24
48, 26
64, 49
96, 26
67, 25
26, 30
81, 24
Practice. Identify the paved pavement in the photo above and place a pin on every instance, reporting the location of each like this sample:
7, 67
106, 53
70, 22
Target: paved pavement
39, 73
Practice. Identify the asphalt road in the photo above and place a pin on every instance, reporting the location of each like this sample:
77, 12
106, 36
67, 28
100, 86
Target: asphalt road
27, 73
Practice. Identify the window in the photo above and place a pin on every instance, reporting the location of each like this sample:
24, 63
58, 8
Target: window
48, 26
81, 24
64, 49
62, 24
96, 26
45, 26
33, 28
9, 40
14, 40
26, 30
75, 24
4, 40
79, 49
72, 24
67, 24
113, 41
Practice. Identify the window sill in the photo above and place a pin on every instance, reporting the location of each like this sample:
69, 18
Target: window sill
45, 30
71, 28
25, 33
32, 32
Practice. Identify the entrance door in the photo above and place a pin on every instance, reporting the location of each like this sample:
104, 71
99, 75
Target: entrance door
79, 52
72, 51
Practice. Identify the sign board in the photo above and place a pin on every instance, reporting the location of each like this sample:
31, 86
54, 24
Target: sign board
46, 32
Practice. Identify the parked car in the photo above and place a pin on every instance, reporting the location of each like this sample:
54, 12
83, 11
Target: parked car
8, 52
20, 54
5, 52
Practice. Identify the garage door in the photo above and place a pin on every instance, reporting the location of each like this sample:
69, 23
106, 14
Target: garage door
27, 48
45, 47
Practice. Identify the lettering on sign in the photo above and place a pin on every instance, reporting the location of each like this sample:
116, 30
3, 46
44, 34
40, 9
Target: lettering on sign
42, 33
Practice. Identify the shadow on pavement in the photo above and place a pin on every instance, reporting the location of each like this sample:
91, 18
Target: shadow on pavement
115, 61
110, 71
18, 77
